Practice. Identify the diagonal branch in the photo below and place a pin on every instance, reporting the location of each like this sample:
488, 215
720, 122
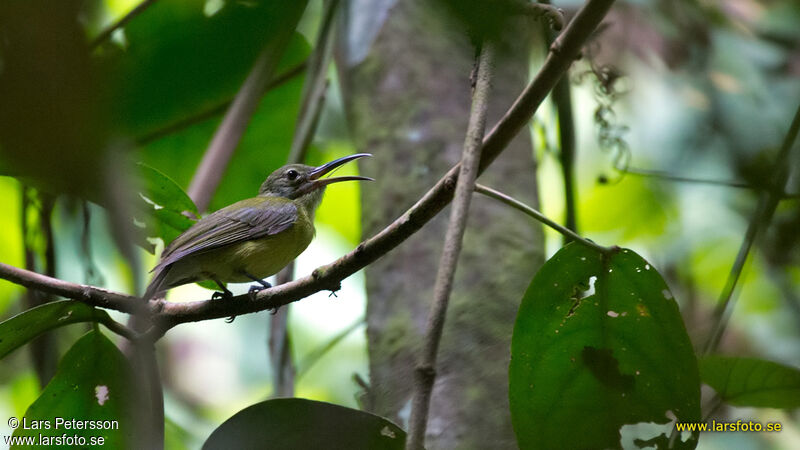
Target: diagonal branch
767, 203
563, 52
566, 48
215, 110
425, 373
519, 206
230, 131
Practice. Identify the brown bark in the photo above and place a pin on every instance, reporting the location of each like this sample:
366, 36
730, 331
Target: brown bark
408, 103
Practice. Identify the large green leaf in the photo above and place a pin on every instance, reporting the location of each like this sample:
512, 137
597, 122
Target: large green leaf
598, 343
93, 386
26, 325
293, 423
179, 61
752, 382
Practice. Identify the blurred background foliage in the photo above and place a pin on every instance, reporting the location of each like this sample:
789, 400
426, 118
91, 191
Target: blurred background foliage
693, 89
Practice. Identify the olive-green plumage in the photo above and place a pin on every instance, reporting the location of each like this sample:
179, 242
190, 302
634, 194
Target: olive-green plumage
253, 238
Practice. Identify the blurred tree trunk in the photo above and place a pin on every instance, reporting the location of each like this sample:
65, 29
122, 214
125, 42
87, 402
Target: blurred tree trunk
407, 98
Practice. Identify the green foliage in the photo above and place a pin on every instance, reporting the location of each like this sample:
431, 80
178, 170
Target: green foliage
93, 383
11, 248
170, 94
164, 192
25, 326
752, 382
162, 203
598, 343
178, 61
293, 423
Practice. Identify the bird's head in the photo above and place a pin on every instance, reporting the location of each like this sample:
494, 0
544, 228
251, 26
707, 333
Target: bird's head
299, 181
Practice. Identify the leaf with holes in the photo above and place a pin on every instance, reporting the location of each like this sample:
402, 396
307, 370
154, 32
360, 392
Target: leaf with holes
290, 423
598, 343
26, 325
94, 387
752, 382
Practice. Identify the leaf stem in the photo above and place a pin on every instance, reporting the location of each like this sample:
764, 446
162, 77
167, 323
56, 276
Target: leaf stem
518, 205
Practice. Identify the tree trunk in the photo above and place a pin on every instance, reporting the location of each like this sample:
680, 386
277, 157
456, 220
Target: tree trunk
408, 102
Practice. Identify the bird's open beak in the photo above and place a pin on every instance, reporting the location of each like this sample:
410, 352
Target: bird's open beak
316, 173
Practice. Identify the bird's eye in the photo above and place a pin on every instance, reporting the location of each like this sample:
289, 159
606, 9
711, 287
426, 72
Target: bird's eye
292, 174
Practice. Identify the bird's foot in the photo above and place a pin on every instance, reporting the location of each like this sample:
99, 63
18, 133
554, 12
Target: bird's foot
230, 319
218, 295
223, 294
255, 289
273, 311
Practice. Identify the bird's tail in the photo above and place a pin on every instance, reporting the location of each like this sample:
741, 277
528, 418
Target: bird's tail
156, 284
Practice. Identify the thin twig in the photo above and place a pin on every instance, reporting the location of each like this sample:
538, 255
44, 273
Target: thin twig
518, 205
425, 373
767, 203
213, 111
230, 131
105, 34
119, 328
317, 354
683, 179
660, 174
328, 277
562, 97
43, 349
146, 364
315, 86
313, 99
553, 15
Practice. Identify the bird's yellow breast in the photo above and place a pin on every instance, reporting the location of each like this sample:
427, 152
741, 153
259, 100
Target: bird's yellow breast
259, 257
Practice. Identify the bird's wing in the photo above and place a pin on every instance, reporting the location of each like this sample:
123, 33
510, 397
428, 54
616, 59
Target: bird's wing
242, 221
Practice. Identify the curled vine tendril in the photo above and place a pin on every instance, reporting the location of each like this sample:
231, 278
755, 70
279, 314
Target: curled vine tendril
610, 133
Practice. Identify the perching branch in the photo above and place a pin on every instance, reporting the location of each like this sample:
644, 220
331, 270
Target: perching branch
90, 295
425, 373
518, 205
767, 203
230, 131
564, 51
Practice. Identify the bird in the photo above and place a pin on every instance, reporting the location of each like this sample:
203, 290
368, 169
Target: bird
252, 238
